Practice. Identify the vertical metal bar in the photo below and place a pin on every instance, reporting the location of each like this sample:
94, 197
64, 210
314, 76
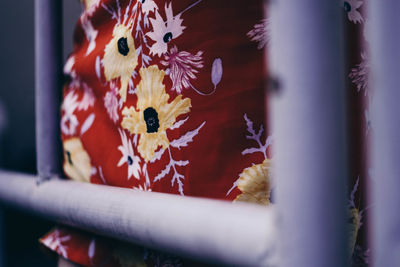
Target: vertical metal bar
48, 75
385, 110
308, 125
3, 125
2, 238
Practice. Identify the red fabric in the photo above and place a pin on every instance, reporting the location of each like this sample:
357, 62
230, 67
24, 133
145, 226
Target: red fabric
215, 156
209, 146
211, 64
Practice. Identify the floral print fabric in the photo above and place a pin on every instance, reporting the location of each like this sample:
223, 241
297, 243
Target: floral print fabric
166, 93
168, 96
164, 96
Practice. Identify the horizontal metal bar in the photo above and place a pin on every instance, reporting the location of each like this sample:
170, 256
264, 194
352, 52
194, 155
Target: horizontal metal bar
207, 230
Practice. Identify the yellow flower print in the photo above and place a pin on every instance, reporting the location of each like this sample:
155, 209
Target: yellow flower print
254, 182
353, 225
120, 58
153, 114
76, 160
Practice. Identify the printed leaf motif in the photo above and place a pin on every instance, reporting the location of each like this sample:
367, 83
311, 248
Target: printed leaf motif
178, 143
88, 123
216, 72
353, 194
256, 136
233, 187
250, 151
178, 124
182, 162
157, 155
163, 173
178, 178
187, 138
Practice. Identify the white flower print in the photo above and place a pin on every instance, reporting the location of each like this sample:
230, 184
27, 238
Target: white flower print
88, 98
351, 7
260, 33
121, 54
54, 242
182, 67
90, 32
143, 187
111, 103
148, 6
164, 31
69, 121
128, 156
146, 185
68, 67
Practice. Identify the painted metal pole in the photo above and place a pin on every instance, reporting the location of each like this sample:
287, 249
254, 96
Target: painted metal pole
3, 255
308, 124
213, 231
48, 77
384, 32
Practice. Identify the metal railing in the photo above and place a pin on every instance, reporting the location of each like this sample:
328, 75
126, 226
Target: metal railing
308, 123
307, 226
207, 230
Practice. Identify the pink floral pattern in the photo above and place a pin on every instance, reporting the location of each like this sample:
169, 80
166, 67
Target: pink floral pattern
182, 67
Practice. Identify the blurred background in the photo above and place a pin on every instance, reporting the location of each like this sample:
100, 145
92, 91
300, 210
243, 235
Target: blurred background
17, 122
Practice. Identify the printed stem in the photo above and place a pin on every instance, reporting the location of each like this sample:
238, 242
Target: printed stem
201, 93
262, 148
147, 175
180, 189
189, 7
170, 157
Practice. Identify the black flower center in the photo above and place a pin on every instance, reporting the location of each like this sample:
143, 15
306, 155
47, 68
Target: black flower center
69, 158
123, 48
130, 160
167, 37
143, 1
347, 6
151, 119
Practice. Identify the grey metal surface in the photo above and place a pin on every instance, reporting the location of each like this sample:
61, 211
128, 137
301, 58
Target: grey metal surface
384, 32
308, 124
48, 80
208, 230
